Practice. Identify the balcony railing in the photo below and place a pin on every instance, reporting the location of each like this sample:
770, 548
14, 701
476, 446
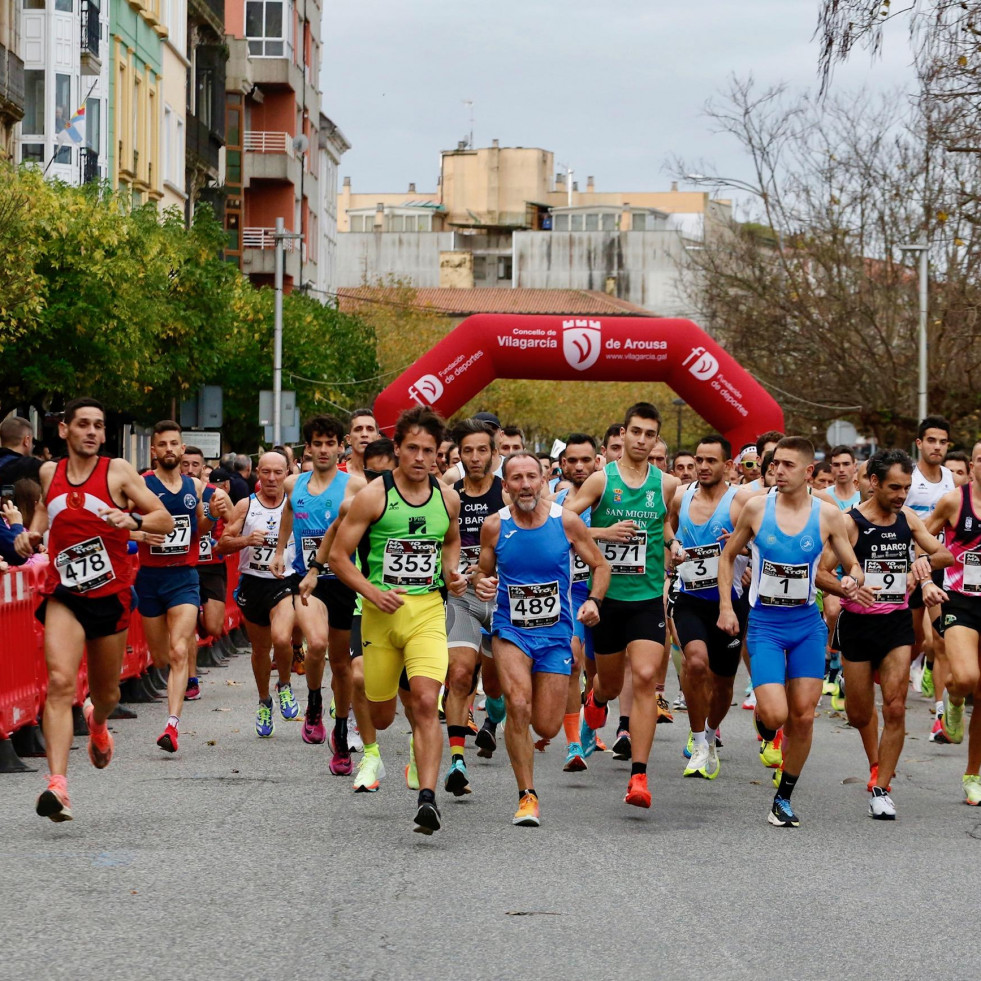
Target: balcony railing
91, 34
90, 166
261, 141
11, 83
263, 238
201, 142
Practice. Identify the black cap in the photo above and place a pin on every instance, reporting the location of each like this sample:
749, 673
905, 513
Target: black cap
489, 418
220, 474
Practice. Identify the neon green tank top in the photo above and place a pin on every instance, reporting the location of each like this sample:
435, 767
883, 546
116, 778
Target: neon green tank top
406, 542
638, 565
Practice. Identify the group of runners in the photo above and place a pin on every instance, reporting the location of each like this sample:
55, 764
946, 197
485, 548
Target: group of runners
442, 565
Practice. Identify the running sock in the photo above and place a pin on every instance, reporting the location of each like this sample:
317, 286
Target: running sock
528, 790
624, 723
495, 709
699, 738
636, 768
266, 701
710, 733
427, 797
570, 724
315, 698
768, 734
340, 731
939, 708
174, 720
458, 737
929, 665
371, 749
787, 783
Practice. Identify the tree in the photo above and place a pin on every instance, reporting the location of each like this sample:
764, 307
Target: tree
826, 315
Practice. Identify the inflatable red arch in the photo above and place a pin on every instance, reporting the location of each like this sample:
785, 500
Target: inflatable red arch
486, 346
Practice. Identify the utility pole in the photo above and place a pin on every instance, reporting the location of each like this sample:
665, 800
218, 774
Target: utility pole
280, 236
924, 249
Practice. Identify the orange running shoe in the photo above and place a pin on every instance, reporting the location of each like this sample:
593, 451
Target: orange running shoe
528, 814
100, 744
637, 792
54, 802
874, 779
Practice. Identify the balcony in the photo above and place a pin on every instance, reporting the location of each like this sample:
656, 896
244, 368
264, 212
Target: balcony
91, 38
11, 85
211, 12
270, 157
202, 144
262, 141
263, 238
89, 166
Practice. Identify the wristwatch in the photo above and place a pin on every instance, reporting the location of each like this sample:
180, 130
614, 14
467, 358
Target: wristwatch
319, 566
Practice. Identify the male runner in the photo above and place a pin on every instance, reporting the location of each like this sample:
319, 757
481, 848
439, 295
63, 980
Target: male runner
786, 635
629, 500
957, 513
931, 480
959, 465
413, 548
703, 512
822, 478
167, 583
313, 501
88, 590
265, 600
683, 466
876, 640
528, 545
612, 446
362, 429
843, 468
658, 457
467, 617
454, 473
511, 440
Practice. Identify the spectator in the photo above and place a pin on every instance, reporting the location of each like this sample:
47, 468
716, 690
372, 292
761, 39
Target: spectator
11, 525
16, 461
240, 488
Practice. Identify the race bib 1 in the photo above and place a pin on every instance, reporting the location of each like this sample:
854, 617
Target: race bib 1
469, 557
580, 571
627, 558
409, 562
889, 575
309, 544
783, 584
534, 604
262, 555
701, 569
85, 566
177, 541
971, 582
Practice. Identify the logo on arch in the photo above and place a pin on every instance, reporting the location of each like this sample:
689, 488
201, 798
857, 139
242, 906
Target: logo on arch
701, 363
581, 342
426, 390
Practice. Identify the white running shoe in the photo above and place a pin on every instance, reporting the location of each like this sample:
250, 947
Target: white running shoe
354, 741
882, 808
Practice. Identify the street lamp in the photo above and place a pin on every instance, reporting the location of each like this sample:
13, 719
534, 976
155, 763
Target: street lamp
923, 249
679, 404
280, 236
739, 185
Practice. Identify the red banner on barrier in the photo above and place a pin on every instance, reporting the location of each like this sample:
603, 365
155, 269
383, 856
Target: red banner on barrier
19, 681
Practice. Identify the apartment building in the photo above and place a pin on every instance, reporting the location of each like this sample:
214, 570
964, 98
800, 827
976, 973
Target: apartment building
273, 166
205, 121
11, 76
65, 68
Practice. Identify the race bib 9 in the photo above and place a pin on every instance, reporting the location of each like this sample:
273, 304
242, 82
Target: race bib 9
206, 548
889, 575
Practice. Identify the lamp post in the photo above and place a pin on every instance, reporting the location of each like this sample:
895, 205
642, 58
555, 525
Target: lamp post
924, 250
279, 236
679, 404
739, 185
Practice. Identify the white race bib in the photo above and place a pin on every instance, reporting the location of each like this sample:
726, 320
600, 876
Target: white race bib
534, 605
890, 576
309, 544
409, 562
85, 566
580, 571
783, 584
262, 555
469, 557
627, 558
206, 548
972, 572
701, 569
177, 541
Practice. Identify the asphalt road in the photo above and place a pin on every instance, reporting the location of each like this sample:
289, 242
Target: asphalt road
239, 858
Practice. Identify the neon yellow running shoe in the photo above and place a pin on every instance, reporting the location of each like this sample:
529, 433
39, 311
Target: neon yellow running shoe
972, 789
411, 773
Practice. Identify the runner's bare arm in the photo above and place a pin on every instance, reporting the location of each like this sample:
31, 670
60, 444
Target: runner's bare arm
156, 518
833, 522
484, 577
588, 551
946, 512
278, 564
455, 583
589, 494
746, 527
232, 539
936, 556
825, 578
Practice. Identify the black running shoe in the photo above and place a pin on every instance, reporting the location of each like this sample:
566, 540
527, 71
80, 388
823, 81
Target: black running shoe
427, 819
486, 740
621, 748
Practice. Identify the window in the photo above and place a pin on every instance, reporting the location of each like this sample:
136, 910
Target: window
205, 101
64, 5
62, 154
480, 267
32, 153
63, 100
265, 28
575, 223
608, 223
395, 223
93, 124
592, 223
178, 169
638, 222
561, 223
167, 136
33, 123
34, 4
233, 166
503, 267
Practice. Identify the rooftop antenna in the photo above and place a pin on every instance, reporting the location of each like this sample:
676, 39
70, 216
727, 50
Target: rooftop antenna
469, 104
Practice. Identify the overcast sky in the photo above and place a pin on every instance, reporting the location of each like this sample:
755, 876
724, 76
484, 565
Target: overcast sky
614, 89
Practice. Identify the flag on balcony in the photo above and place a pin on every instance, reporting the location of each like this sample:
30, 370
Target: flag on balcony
74, 131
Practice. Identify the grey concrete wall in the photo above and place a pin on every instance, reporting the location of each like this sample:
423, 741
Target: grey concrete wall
369, 256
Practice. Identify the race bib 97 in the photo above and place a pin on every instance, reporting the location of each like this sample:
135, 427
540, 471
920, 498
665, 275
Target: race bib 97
178, 540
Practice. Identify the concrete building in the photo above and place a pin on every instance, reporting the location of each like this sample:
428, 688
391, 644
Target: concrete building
136, 92
66, 65
205, 120
11, 76
273, 154
171, 150
333, 145
502, 217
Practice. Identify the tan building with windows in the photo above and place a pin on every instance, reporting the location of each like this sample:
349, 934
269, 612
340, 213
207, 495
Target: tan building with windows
11, 76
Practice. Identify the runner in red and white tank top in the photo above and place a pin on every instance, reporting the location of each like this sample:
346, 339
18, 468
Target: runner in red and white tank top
87, 500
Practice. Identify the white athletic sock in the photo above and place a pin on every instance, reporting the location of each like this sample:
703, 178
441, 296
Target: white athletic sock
709, 734
698, 738
174, 720
939, 708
